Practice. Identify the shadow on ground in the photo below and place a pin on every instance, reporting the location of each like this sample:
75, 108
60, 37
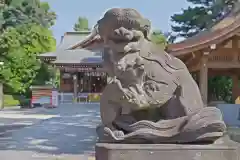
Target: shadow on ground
73, 132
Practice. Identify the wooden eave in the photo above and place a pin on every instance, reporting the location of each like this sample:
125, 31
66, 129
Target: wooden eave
48, 58
225, 29
78, 64
78, 32
84, 44
196, 43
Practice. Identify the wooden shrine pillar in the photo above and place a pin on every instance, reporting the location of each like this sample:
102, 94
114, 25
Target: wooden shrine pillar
235, 88
203, 83
75, 86
90, 83
235, 77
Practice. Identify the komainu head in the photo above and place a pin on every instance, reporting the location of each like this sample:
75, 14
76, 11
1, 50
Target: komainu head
117, 24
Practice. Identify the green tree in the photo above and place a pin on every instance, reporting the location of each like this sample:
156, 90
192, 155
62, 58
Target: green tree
24, 34
17, 12
220, 88
81, 25
200, 16
19, 49
159, 38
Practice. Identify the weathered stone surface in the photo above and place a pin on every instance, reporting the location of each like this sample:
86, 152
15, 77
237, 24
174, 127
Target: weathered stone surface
106, 151
152, 97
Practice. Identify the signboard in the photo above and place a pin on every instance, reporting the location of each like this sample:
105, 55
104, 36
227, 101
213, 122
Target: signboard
55, 98
41, 96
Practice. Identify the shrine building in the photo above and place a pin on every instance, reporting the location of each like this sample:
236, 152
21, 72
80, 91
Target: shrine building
213, 52
81, 70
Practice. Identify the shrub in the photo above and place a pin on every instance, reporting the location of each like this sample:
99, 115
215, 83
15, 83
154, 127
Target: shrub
9, 100
25, 102
94, 97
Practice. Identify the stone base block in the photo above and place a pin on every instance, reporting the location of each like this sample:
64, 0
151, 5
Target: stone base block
106, 151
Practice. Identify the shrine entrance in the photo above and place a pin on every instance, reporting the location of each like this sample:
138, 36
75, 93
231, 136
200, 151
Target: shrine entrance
218, 60
213, 53
91, 82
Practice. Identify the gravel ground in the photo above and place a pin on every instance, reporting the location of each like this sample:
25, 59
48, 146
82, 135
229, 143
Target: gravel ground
67, 132
62, 133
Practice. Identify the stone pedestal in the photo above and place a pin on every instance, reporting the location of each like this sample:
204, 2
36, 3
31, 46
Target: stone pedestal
106, 151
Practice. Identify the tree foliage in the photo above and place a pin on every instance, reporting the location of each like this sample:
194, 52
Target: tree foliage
159, 38
81, 24
220, 88
17, 12
24, 35
202, 15
19, 49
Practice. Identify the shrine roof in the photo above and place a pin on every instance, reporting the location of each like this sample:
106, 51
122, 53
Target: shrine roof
63, 55
78, 56
67, 40
222, 30
71, 38
48, 54
85, 43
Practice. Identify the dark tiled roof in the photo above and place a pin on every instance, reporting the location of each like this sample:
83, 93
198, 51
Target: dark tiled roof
65, 56
78, 56
71, 38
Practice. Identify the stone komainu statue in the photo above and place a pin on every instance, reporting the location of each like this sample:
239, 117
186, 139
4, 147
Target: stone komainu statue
152, 97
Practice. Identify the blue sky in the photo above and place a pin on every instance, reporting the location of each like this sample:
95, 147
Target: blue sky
68, 11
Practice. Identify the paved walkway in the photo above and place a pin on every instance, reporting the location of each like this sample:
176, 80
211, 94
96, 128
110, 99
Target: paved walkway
63, 133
